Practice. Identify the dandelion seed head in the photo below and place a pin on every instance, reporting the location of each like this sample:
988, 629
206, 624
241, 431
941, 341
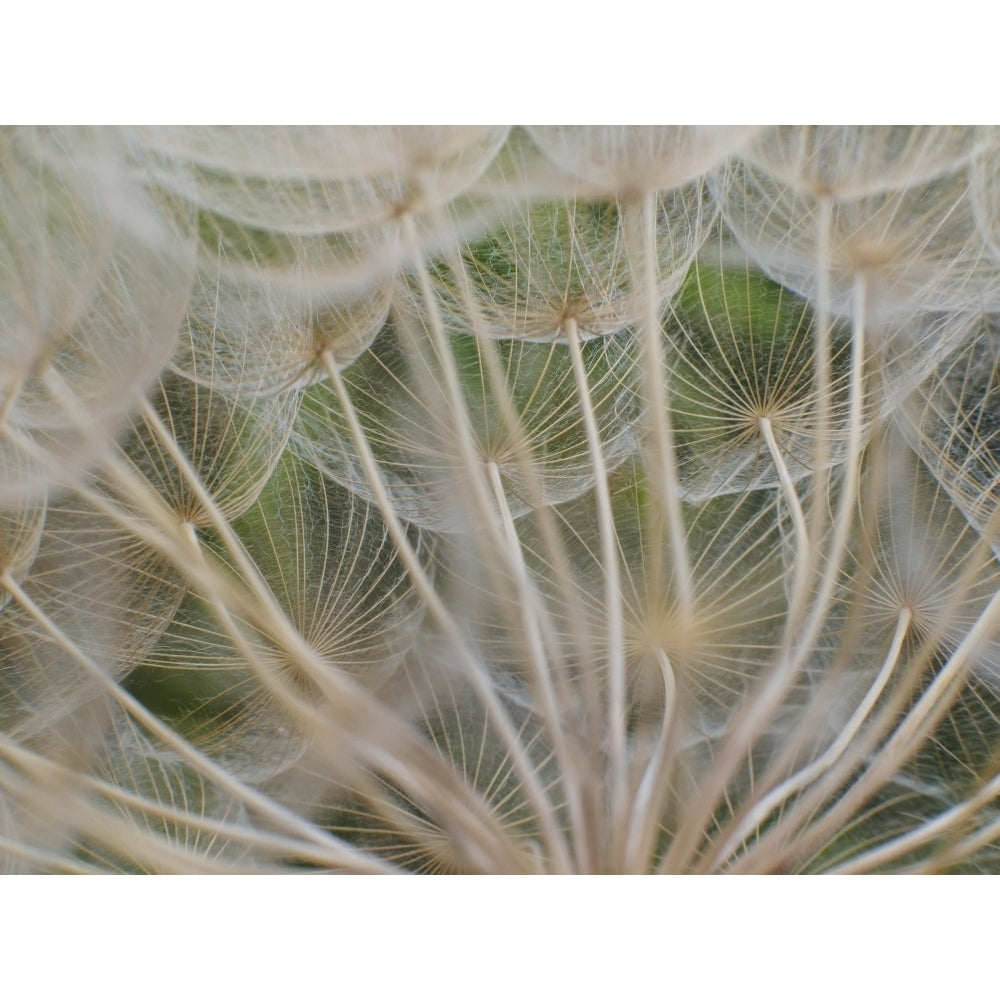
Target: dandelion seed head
489, 499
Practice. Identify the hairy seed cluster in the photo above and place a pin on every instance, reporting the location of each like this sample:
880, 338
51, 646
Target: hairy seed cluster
488, 499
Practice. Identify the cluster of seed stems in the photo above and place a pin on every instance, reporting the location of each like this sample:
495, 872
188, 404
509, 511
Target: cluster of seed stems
594, 500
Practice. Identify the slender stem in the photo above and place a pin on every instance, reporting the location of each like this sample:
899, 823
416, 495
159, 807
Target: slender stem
821, 374
908, 735
661, 452
274, 843
10, 399
353, 706
531, 614
652, 788
470, 460
799, 637
414, 766
471, 463
932, 702
618, 776
788, 491
340, 854
248, 571
425, 778
985, 836
766, 805
45, 860
928, 832
476, 673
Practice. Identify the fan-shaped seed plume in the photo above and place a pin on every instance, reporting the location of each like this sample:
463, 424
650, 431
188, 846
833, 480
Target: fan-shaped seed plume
71, 628
522, 173
394, 827
304, 268
167, 811
93, 281
313, 181
42, 686
742, 394
548, 262
321, 209
410, 423
844, 162
150, 810
326, 558
198, 681
91, 572
714, 649
921, 553
247, 339
918, 585
918, 248
38, 799
638, 158
690, 663
953, 423
227, 448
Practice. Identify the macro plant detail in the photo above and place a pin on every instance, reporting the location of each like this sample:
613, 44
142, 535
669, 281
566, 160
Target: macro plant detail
499, 500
